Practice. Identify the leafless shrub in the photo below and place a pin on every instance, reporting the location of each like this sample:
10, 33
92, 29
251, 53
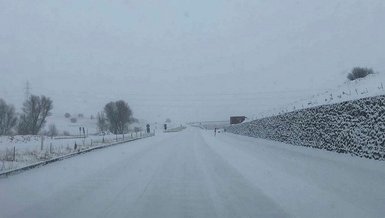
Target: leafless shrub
359, 72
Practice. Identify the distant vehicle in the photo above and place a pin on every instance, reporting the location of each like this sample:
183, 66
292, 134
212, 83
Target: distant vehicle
237, 119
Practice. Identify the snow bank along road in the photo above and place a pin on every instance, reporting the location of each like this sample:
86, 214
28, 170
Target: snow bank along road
195, 174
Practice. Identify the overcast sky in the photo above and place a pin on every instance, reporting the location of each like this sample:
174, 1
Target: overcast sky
184, 59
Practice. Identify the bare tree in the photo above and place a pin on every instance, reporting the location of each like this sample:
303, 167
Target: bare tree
119, 115
35, 111
52, 130
102, 122
359, 72
8, 118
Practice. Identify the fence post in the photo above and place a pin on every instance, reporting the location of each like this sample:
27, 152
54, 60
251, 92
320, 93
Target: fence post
42, 142
14, 153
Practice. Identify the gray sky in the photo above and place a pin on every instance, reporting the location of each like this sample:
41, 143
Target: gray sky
184, 59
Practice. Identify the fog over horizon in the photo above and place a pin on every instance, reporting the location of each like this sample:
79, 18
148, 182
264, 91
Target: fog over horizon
188, 60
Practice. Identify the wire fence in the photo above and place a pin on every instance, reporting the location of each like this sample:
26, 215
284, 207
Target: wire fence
13, 157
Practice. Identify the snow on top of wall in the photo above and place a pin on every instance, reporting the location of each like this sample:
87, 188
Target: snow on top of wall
372, 85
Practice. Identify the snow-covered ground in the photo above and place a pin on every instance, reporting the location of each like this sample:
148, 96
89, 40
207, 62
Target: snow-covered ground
19, 151
65, 124
196, 174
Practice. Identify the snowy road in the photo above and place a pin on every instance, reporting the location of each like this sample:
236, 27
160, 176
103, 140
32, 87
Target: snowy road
194, 174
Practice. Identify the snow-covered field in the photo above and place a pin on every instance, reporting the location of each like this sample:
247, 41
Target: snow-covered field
19, 151
65, 124
196, 174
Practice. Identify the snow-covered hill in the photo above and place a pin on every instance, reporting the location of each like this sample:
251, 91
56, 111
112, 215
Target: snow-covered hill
372, 85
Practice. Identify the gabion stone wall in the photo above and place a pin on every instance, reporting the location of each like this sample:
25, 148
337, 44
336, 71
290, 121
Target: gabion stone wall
356, 127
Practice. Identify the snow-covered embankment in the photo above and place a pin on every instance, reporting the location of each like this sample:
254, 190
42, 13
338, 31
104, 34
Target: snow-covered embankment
356, 127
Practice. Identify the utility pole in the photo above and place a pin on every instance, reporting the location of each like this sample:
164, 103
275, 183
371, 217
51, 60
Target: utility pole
27, 90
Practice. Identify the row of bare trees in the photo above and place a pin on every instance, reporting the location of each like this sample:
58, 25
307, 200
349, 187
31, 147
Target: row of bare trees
115, 117
35, 110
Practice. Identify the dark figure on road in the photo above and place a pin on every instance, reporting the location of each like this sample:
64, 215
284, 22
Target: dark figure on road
215, 131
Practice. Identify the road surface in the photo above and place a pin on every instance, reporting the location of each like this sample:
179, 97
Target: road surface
196, 174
